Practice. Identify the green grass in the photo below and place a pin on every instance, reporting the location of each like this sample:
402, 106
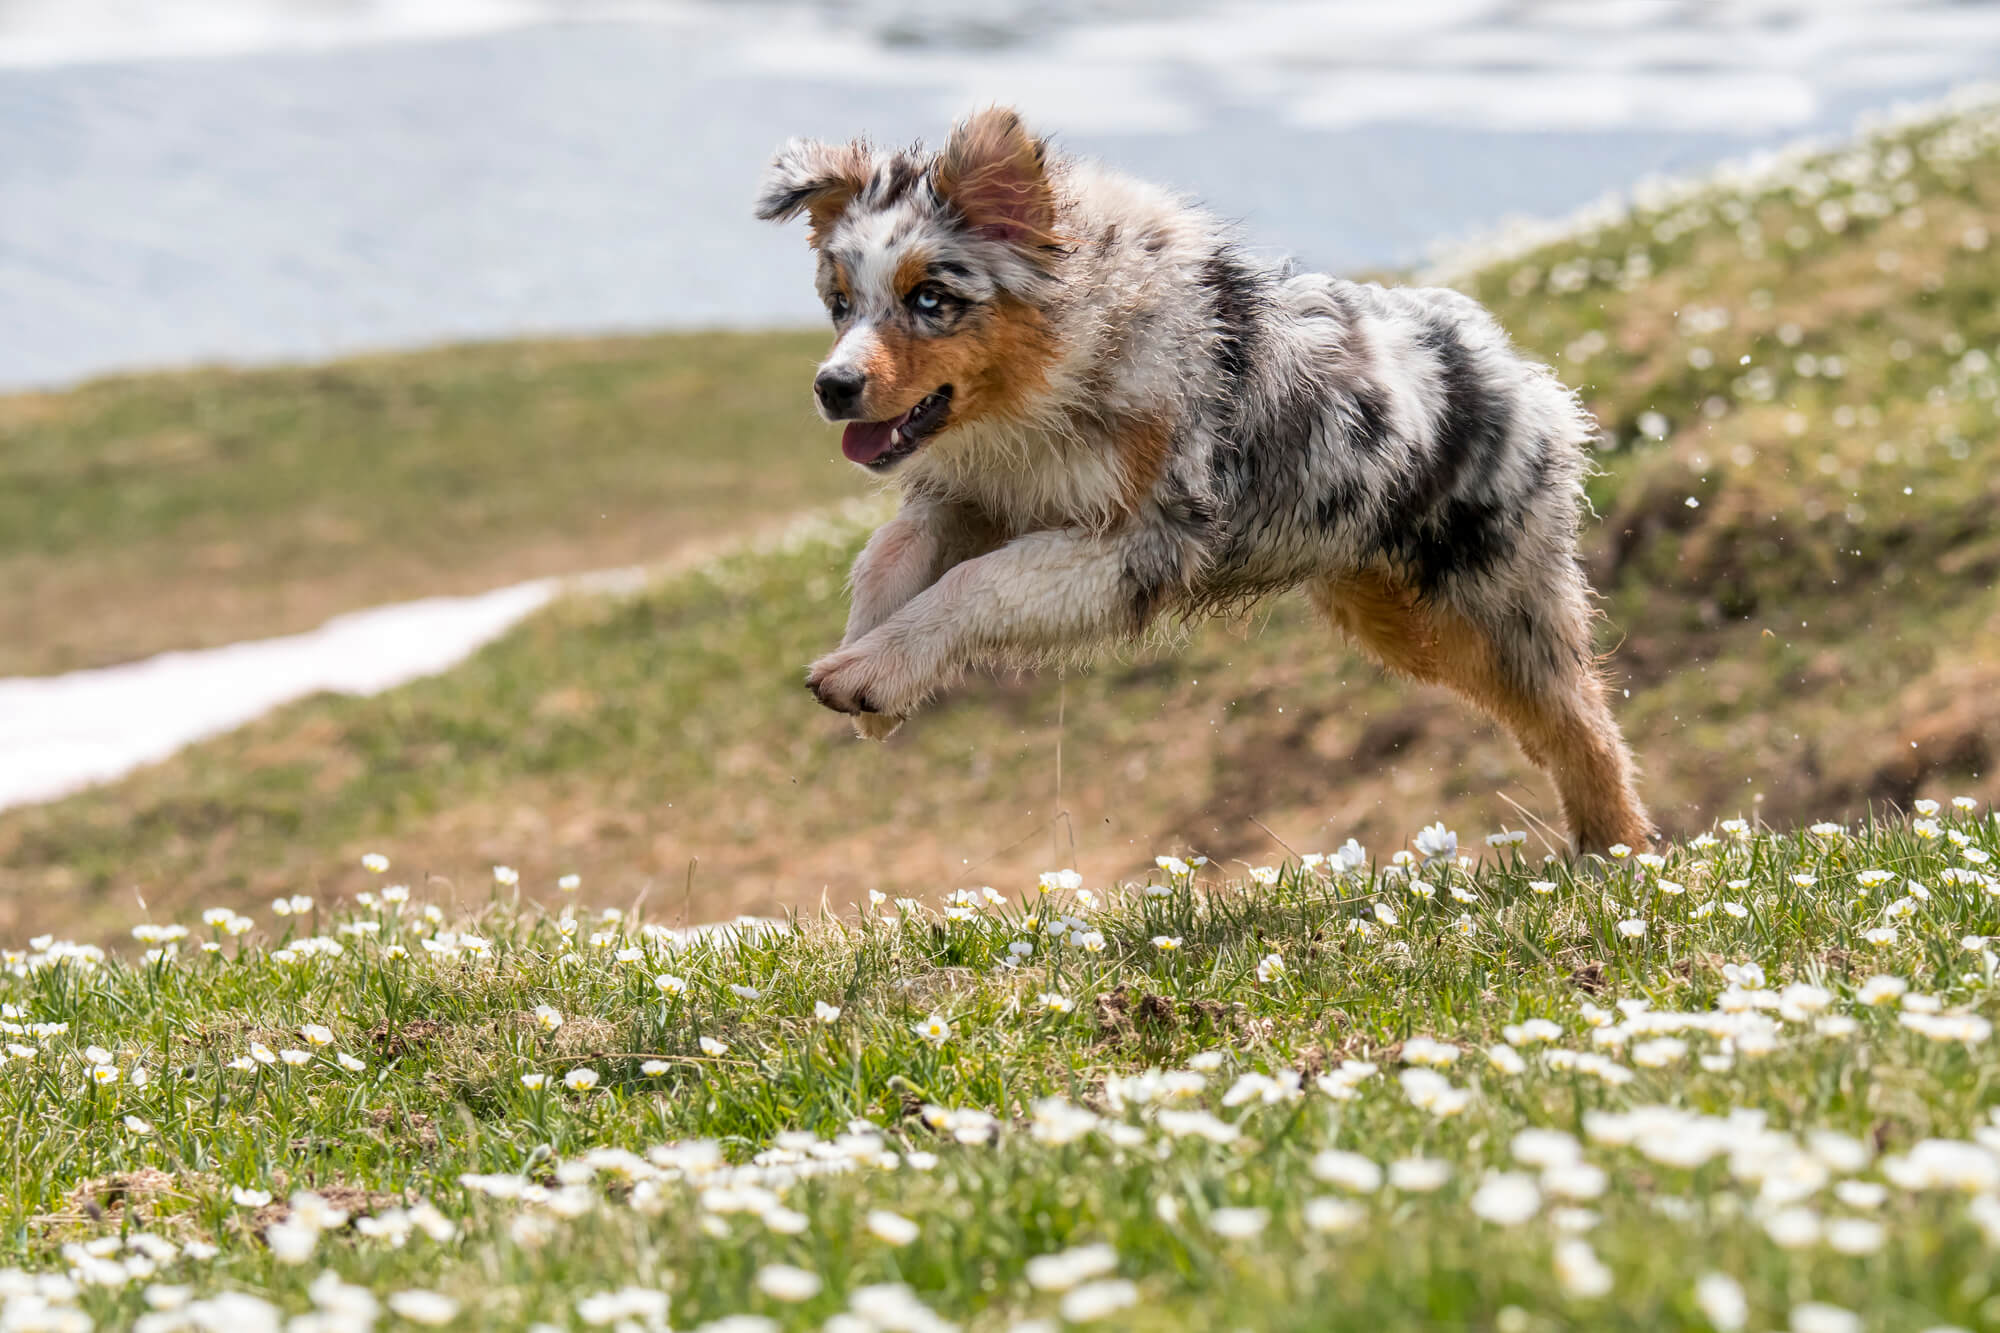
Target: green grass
145, 513
1027, 1131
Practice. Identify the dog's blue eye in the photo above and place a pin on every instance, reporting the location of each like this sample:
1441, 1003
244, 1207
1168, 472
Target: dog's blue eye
837, 306
926, 299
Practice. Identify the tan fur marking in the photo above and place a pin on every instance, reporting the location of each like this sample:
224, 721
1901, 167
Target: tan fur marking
1142, 446
911, 269
1565, 729
993, 368
851, 165
992, 169
1018, 349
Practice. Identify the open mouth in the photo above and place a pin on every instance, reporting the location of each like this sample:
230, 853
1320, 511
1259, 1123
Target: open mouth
883, 444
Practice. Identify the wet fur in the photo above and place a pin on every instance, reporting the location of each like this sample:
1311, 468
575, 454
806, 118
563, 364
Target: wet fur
1149, 425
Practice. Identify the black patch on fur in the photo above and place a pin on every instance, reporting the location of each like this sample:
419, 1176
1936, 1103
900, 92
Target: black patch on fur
783, 203
1236, 294
1371, 417
894, 179
1438, 531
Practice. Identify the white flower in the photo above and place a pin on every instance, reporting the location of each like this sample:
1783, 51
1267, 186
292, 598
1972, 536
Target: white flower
290, 1242
782, 1282
1270, 968
249, 1198
1659, 1052
1064, 1270
1854, 1235
506, 876
375, 863
669, 984
1619, 851
1507, 839
1070, 880
934, 1030
1793, 1228
891, 1228
1166, 943
424, 1307
1264, 875
1506, 1198
1530, 1031
745, 992
581, 1079
1506, 1059
1435, 841
710, 1046
548, 1017
1055, 1002
534, 1082
1238, 1223
1542, 886
1349, 1170
824, 1012
1632, 928
295, 1058
1419, 1175
1574, 1180
1095, 1300
1815, 1317
1720, 1299
1429, 1051
1879, 990
1331, 1214
1578, 1268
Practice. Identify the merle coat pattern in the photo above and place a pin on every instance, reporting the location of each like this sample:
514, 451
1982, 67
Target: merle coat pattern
1100, 412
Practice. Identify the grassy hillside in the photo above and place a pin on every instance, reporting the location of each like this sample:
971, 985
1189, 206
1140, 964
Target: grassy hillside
146, 513
1749, 1085
1798, 548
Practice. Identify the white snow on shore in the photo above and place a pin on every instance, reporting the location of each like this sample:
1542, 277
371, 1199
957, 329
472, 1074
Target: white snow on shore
62, 733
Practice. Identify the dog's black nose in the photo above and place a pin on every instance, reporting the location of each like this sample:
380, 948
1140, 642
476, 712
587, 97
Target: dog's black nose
839, 390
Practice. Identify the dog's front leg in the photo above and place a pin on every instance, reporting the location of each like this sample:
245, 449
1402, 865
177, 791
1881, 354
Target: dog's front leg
1047, 592
903, 557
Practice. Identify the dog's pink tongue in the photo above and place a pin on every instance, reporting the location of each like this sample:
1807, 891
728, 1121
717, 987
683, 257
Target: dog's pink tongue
866, 441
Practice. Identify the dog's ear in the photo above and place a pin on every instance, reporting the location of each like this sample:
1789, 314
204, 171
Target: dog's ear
814, 178
996, 175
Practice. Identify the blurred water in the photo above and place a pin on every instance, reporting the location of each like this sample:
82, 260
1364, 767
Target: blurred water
253, 180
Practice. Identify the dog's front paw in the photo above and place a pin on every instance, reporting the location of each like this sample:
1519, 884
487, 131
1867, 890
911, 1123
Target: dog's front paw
868, 679
846, 680
875, 726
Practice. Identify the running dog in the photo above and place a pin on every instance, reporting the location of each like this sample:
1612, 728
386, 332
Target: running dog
1100, 412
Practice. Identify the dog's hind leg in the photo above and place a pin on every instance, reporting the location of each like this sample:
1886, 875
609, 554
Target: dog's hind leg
1536, 676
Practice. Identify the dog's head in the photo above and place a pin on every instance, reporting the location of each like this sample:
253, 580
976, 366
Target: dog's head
931, 266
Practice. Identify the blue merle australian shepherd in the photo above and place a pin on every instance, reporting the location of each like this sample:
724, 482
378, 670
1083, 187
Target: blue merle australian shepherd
1100, 412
